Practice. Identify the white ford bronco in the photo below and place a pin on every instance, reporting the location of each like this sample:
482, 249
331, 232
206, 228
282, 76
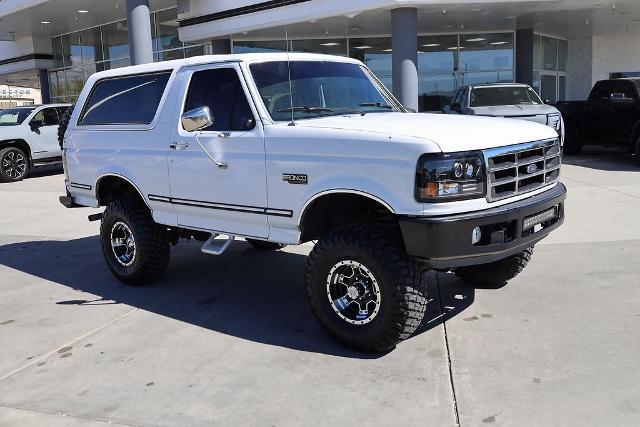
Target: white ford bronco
285, 149
28, 136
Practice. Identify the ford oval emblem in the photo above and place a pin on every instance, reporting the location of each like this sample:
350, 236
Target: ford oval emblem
532, 168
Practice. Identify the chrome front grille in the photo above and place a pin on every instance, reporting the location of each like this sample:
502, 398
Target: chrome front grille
519, 169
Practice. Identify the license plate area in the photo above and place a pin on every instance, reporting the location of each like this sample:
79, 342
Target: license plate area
538, 222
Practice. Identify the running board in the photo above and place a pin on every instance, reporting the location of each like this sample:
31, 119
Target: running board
215, 246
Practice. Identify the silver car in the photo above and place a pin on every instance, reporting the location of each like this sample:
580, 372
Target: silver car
510, 100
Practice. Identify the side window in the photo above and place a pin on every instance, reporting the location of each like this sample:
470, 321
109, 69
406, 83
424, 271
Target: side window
125, 100
47, 117
221, 91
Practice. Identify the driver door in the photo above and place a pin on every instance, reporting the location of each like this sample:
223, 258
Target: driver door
218, 174
44, 133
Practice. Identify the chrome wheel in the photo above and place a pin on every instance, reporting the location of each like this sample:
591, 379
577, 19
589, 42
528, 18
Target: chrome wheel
353, 292
123, 244
14, 164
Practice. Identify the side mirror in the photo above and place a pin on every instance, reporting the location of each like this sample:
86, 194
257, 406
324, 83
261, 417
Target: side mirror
410, 110
548, 101
455, 106
196, 119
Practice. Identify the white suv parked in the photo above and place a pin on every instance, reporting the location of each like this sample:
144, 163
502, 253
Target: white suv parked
28, 136
216, 146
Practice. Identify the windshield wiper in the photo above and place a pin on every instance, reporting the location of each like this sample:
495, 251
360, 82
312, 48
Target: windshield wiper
306, 110
376, 104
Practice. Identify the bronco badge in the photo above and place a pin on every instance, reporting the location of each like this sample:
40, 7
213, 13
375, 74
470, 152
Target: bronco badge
295, 178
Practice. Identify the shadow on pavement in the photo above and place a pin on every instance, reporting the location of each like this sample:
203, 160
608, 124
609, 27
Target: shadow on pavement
603, 158
247, 293
45, 170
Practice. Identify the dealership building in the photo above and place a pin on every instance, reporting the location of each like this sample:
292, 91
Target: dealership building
422, 50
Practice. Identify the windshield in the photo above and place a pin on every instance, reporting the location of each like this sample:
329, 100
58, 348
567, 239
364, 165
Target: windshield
508, 95
319, 89
14, 116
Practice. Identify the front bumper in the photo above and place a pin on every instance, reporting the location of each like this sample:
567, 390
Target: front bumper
445, 242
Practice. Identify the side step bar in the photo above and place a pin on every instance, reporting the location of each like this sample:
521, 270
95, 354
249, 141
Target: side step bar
215, 246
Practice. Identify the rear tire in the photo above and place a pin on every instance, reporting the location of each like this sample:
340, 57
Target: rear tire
496, 274
135, 248
363, 289
14, 164
268, 246
637, 151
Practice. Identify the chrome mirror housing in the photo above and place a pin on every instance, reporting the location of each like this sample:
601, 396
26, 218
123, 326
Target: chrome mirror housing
196, 119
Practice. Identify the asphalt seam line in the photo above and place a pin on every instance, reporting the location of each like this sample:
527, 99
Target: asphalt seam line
66, 415
446, 344
68, 344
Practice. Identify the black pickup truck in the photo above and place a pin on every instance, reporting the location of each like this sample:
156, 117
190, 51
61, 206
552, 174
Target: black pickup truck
611, 115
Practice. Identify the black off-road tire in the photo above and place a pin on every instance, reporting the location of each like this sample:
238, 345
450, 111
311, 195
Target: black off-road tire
64, 124
261, 244
637, 151
496, 274
402, 284
152, 250
8, 174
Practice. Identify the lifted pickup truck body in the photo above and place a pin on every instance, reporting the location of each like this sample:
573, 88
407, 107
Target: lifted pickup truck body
611, 115
224, 149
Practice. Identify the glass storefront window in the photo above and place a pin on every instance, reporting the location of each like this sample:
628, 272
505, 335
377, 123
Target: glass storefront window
75, 80
327, 46
437, 54
259, 46
376, 54
563, 53
194, 51
58, 55
486, 52
436, 91
57, 86
71, 50
116, 40
474, 78
91, 45
549, 53
169, 55
166, 30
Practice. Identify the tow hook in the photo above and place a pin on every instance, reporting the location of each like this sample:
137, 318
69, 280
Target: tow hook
95, 217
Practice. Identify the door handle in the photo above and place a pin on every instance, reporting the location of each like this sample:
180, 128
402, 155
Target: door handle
224, 135
177, 146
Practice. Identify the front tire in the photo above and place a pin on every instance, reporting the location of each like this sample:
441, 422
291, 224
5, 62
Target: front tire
135, 248
364, 290
495, 274
14, 164
637, 151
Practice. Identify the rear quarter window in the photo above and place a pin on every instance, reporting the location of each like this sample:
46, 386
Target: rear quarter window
125, 100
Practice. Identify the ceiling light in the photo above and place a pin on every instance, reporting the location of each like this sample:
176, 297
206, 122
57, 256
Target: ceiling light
431, 45
45, 22
453, 48
498, 43
330, 44
362, 47
83, 11
478, 39
387, 50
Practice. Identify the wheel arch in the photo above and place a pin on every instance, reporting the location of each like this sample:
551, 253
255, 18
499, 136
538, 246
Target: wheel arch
109, 185
319, 214
18, 143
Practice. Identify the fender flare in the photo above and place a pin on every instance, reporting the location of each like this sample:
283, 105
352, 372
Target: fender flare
124, 178
340, 191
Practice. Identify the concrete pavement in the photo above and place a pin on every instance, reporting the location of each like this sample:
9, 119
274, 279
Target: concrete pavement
230, 341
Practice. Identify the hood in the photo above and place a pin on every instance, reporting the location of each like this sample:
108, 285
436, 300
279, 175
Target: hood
450, 132
515, 110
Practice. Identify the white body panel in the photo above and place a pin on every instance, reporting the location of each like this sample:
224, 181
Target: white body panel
374, 155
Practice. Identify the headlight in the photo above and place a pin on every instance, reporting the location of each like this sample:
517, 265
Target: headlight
447, 177
554, 121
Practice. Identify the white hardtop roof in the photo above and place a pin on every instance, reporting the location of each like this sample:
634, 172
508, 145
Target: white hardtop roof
214, 59
481, 85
